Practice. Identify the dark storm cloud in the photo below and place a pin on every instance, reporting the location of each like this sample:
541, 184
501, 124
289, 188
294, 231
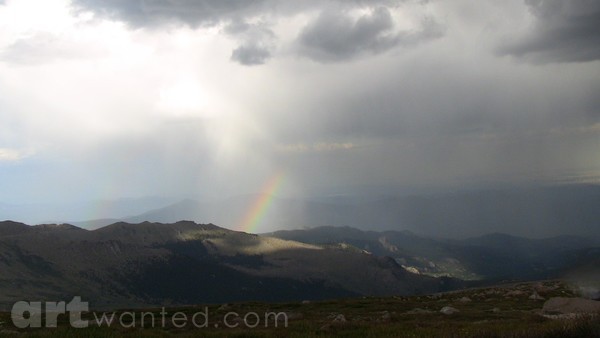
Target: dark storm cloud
155, 12
256, 42
564, 31
237, 27
146, 13
336, 36
447, 117
250, 55
332, 36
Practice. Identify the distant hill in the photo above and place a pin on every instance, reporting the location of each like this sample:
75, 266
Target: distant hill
490, 257
81, 211
131, 265
536, 212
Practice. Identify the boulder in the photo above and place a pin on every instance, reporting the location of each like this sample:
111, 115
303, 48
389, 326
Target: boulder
448, 310
339, 319
464, 300
385, 316
536, 296
571, 305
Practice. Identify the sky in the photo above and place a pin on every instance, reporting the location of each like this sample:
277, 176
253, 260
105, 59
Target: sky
180, 98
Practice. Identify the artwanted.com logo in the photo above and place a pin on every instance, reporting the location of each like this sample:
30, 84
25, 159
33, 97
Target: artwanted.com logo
45, 314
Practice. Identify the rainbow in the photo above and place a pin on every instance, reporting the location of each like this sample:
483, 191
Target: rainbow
259, 207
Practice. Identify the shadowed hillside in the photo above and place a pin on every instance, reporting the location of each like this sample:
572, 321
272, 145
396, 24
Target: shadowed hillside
490, 257
150, 263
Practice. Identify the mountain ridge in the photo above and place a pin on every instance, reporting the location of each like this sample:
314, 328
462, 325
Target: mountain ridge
487, 257
189, 263
535, 212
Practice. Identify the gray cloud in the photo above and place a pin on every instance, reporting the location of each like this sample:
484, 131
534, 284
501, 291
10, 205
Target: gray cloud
449, 110
237, 27
336, 36
147, 13
441, 102
250, 55
256, 42
331, 37
439, 117
155, 12
564, 31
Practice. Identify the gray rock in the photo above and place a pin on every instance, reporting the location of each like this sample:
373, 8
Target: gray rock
340, 318
448, 310
589, 292
563, 316
571, 305
385, 316
536, 296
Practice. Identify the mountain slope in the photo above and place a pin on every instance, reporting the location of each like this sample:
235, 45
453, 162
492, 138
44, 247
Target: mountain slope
488, 257
151, 264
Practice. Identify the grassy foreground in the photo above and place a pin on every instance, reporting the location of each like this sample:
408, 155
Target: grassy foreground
503, 311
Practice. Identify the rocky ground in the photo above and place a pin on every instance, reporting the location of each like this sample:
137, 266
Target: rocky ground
538, 309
